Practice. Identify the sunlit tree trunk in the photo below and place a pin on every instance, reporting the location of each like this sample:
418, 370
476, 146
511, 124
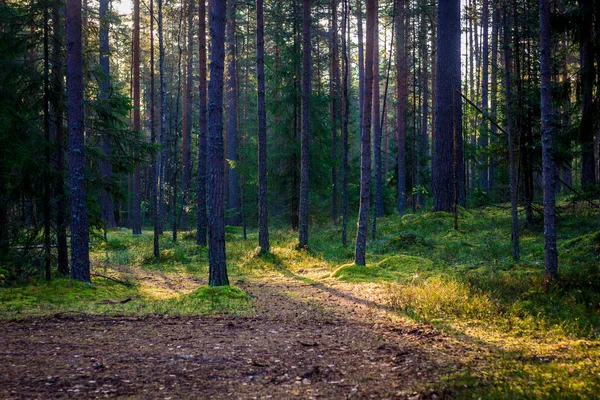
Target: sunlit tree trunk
401, 91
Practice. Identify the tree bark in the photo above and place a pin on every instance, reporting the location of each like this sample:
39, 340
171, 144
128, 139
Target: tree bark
304, 158
448, 110
334, 85
588, 74
216, 169
56, 111
80, 261
137, 200
378, 209
511, 136
232, 133
365, 141
345, 118
548, 167
263, 199
401, 89
107, 205
186, 143
201, 191
483, 131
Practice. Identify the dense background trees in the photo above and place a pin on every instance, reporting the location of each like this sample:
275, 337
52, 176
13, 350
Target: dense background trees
441, 109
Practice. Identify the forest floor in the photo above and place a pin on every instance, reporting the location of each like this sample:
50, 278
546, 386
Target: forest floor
306, 340
436, 313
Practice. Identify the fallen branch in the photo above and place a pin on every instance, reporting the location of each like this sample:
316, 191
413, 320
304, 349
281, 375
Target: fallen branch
124, 283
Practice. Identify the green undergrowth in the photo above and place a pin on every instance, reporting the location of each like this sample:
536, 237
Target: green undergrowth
522, 338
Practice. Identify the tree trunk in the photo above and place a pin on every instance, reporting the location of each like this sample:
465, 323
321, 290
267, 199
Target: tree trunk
161, 136
511, 136
588, 74
106, 202
201, 192
334, 85
80, 261
137, 201
365, 141
345, 117
401, 89
186, 143
263, 199
548, 167
56, 111
378, 210
361, 61
483, 131
154, 166
232, 134
216, 170
494, 90
448, 110
306, 92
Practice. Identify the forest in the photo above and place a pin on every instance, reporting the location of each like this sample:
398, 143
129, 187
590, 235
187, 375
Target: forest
335, 199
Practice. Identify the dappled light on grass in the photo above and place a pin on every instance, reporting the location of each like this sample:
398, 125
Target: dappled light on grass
516, 339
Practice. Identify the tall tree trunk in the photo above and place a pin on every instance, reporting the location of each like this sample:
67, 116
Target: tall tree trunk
154, 166
424, 140
511, 136
201, 192
80, 260
56, 110
334, 85
483, 131
263, 198
401, 89
361, 60
107, 205
548, 167
47, 188
216, 168
232, 134
365, 141
137, 200
588, 74
306, 91
161, 136
378, 209
448, 110
494, 90
186, 143
345, 117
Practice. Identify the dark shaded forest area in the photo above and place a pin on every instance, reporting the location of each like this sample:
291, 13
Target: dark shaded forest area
313, 198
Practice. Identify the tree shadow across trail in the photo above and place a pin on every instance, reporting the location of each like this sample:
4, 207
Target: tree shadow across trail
305, 341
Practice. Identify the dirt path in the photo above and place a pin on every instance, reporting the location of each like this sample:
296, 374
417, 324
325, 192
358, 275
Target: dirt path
306, 341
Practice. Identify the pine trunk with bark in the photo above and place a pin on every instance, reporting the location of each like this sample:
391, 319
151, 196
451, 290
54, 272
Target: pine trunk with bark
234, 201
201, 223
377, 156
305, 135
345, 118
548, 167
186, 144
401, 91
80, 260
263, 198
365, 141
448, 176
483, 131
334, 85
216, 155
137, 195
